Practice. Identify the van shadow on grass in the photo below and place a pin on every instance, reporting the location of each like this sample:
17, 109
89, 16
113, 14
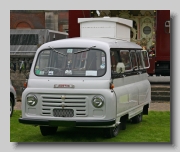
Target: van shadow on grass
79, 134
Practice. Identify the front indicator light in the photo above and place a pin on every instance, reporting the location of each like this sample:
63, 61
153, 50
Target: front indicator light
32, 100
98, 101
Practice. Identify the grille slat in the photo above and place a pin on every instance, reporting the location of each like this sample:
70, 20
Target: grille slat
45, 111
79, 112
51, 104
69, 103
59, 97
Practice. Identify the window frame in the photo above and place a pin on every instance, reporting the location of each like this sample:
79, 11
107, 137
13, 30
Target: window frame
145, 67
140, 54
134, 69
131, 72
51, 52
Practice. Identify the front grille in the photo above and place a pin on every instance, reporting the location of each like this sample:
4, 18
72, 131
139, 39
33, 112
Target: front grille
75, 103
63, 113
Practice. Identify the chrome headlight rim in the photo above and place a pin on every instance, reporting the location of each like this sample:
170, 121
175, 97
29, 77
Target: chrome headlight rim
31, 100
98, 101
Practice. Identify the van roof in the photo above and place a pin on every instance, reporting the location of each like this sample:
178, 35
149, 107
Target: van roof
79, 41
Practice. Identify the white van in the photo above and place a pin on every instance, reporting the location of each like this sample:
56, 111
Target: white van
87, 82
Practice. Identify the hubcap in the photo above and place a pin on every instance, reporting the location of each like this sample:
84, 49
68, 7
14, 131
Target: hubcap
115, 129
140, 117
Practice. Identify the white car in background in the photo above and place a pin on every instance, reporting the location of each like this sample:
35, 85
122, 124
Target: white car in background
13, 99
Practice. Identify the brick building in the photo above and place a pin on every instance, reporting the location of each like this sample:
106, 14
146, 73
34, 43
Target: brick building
54, 20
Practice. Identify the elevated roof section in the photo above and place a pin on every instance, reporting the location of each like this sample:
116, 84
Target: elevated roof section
117, 28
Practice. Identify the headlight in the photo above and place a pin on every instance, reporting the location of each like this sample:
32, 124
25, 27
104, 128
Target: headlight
32, 100
98, 101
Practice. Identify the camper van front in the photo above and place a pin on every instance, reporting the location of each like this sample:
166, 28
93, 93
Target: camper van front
70, 85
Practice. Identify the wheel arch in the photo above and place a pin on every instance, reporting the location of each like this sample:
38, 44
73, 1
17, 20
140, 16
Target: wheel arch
124, 117
145, 109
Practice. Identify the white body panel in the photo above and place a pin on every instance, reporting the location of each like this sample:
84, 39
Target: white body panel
131, 92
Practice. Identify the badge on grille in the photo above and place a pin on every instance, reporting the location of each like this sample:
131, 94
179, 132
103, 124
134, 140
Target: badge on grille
63, 97
63, 106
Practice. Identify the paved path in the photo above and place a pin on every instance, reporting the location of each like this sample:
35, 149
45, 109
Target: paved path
154, 106
159, 106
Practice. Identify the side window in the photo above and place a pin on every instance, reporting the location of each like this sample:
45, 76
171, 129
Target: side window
139, 59
134, 60
114, 60
145, 58
125, 57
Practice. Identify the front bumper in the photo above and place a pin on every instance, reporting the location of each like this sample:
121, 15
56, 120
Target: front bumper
80, 123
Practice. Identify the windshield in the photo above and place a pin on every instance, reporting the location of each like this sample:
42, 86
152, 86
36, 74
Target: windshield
71, 62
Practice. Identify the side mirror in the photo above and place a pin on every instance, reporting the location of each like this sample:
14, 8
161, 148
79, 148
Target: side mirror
120, 68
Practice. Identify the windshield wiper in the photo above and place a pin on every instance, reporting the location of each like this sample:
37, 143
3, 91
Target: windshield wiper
87, 49
57, 51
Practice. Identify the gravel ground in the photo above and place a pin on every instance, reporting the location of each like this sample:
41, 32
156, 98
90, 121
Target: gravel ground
159, 106
154, 106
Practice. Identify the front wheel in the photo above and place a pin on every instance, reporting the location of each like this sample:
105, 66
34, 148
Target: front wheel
112, 131
46, 130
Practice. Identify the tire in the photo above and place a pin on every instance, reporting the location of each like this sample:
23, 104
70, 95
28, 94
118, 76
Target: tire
123, 125
137, 118
112, 131
11, 107
46, 130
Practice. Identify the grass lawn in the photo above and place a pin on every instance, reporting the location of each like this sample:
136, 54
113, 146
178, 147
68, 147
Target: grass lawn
155, 127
